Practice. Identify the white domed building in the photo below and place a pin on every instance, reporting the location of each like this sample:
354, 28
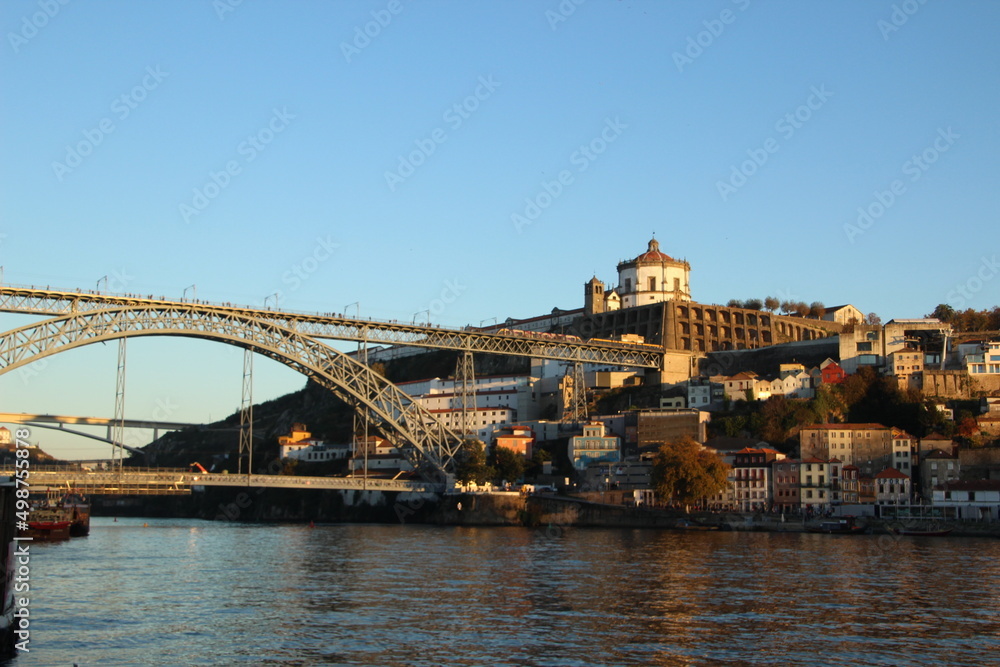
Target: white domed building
652, 277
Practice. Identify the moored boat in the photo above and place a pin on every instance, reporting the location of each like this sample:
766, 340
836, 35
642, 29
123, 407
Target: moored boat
684, 524
52, 519
846, 526
922, 532
79, 510
48, 523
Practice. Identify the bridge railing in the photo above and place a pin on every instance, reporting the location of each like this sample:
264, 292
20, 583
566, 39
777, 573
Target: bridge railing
75, 467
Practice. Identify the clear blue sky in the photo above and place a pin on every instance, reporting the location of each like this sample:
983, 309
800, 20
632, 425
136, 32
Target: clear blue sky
115, 116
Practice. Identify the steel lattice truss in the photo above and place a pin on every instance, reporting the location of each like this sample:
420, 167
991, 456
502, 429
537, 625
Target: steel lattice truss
52, 302
421, 436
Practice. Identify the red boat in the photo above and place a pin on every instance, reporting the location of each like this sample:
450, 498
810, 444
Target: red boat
48, 523
59, 519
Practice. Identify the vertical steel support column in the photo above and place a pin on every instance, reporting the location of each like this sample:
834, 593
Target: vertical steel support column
246, 415
365, 417
118, 421
578, 406
465, 393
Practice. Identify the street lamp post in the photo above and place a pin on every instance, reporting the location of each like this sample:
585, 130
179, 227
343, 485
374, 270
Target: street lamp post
275, 295
357, 305
421, 311
98, 286
194, 292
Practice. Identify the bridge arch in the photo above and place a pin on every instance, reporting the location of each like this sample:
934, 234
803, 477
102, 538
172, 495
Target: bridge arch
83, 434
424, 438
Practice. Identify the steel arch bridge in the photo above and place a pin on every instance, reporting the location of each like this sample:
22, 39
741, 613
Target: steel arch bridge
80, 318
35, 301
424, 438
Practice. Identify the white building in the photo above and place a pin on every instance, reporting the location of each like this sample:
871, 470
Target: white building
846, 314
904, 451
702, 392
652, 277
382, 457
973, 499
484, 421
986, 361
315, 451
500, 400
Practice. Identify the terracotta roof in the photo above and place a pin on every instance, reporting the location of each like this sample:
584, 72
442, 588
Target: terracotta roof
756, 450
891, 473
653, 254
935, 436
938, 454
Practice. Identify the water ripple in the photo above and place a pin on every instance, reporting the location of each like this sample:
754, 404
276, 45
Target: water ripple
201, 593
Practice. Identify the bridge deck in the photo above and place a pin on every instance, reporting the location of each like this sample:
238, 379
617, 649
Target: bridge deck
25, 418
30, 300
153, 481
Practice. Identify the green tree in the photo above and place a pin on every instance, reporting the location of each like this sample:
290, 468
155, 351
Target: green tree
509, 465
943, 312
732, 425
470, 463
817, 309
753, 304
686, 472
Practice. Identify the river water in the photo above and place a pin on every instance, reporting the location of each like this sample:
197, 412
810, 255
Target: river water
184, 592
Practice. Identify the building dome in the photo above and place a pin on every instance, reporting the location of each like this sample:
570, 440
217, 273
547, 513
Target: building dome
653, 277
653, 254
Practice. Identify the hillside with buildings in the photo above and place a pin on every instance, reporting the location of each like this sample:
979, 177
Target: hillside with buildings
814, 408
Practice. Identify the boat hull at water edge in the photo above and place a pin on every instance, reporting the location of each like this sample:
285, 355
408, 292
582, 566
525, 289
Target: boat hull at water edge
915, 532
46, 531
